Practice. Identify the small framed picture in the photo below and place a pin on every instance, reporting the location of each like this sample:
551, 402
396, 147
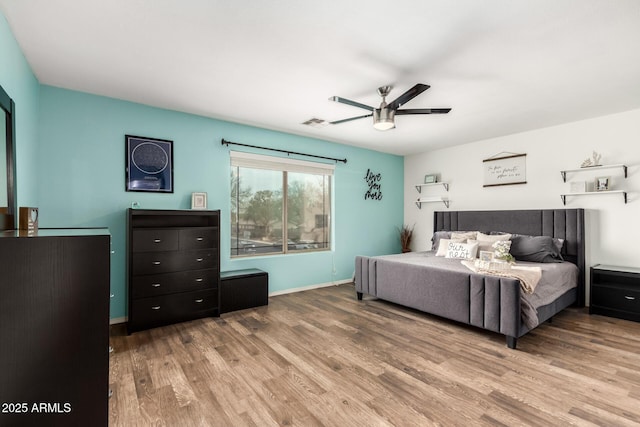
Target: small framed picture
430, 179
198, 200
578, 187
486, 256
602, 183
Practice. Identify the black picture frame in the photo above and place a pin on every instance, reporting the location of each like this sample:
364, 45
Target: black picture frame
148, 164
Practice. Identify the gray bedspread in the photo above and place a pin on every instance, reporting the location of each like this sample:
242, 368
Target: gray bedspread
445, 287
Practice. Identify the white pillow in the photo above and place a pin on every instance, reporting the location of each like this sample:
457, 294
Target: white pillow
444, 245
486, 241
483, 245
461, 250
481, 237
464, 235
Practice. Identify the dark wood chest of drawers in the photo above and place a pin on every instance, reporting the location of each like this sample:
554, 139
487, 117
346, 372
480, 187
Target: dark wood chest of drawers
615, 292
173, 266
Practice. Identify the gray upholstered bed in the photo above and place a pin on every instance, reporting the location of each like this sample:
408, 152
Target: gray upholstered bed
444, 288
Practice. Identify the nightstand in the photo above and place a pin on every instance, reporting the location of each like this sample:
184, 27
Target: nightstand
615, 291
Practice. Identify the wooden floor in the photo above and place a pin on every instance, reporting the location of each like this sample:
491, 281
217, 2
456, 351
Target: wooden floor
321, 357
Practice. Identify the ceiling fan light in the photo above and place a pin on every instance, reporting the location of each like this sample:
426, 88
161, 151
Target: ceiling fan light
383, 119
386, 125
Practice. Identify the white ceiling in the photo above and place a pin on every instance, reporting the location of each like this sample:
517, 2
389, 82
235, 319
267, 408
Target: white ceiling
503, 66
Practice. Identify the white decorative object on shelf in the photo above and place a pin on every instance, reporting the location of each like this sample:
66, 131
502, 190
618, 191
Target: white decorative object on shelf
578, 187
594, 160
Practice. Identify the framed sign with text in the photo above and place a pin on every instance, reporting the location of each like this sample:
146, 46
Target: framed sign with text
149, 164
505, 170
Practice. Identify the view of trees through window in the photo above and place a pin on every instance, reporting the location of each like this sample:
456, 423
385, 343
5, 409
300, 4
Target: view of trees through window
262, 201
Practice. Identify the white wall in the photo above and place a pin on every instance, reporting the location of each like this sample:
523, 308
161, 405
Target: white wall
612, 227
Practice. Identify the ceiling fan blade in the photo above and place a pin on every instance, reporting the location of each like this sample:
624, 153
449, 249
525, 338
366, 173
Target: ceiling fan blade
423, 111
337, 122
350, 102
408, 96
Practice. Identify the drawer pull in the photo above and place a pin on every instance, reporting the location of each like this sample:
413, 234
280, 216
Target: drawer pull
199, 279
199, 239
156, 263
157, 240
199, 259
199, 300
628, 297
155, 285
155, 307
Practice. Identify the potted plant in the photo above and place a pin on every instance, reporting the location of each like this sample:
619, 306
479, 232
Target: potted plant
406, 233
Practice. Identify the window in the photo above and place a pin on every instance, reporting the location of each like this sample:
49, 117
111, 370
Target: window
276, 200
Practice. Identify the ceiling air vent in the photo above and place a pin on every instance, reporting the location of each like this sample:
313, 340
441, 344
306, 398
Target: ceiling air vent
316, 123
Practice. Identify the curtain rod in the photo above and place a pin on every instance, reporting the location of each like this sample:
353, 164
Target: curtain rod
227, 143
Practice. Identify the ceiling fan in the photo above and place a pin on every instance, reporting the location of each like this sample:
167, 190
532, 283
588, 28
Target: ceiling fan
384, 116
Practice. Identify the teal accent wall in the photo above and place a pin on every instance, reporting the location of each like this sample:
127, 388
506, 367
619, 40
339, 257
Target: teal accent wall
70, 163
80, 164
19, 82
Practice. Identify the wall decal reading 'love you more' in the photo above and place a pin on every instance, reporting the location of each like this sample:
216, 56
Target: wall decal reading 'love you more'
374, 181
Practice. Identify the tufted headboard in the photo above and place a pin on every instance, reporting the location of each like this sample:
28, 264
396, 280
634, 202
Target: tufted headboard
567, 224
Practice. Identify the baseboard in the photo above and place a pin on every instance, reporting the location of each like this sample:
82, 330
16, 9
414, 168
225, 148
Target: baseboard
117, 320
308, 288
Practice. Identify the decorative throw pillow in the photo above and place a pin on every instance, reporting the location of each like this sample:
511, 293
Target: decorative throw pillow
461, 250
535, 249
443, 245
465, 235
482, 246
501, 250
435, 240
492, 237
558, 242
486, 241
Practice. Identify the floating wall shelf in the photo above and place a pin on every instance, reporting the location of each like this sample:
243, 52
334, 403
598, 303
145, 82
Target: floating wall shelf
444, 184
592, 168
593, 193
422, 200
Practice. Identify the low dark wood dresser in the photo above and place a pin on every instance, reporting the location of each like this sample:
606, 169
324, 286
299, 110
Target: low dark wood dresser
615, 291
54, 327
173, 266
240, 289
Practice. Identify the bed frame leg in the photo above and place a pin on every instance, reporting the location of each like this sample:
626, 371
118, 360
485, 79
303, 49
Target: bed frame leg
511, 342
359, 295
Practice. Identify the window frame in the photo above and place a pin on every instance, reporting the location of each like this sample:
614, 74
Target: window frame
285, 166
